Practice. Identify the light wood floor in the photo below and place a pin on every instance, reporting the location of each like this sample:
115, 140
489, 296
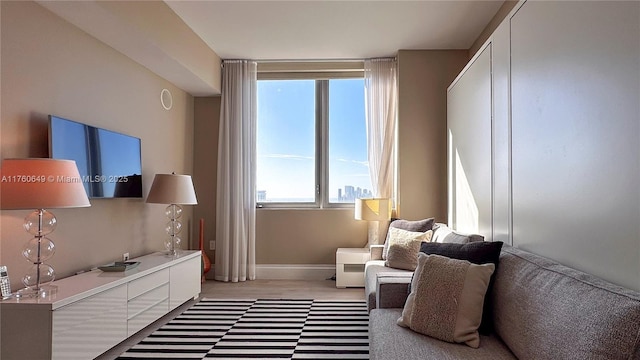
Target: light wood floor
280, 289
256, 289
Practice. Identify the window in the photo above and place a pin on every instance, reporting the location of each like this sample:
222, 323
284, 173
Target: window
311, 143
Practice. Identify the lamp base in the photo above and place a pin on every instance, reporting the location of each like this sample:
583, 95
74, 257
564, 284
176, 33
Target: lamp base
377, 232
44, 291
172, 253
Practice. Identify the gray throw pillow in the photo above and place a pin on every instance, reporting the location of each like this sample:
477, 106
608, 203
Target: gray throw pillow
443, 234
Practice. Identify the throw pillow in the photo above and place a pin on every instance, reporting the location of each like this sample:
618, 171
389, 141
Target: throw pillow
443, 234
480, 252
446, 299
408, 225
404, 247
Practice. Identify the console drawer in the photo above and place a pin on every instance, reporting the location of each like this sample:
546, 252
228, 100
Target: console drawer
147, 300
87, 328
140, 286
143, 319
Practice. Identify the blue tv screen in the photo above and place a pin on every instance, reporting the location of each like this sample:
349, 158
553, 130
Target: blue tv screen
109, 162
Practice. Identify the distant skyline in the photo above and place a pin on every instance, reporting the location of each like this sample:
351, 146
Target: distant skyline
286, 139
348, 193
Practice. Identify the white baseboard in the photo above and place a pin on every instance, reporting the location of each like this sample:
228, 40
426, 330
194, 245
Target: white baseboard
294, 272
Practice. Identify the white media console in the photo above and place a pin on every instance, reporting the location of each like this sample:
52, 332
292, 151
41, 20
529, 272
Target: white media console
94, 311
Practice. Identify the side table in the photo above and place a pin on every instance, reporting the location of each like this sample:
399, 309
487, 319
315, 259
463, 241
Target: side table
350, 266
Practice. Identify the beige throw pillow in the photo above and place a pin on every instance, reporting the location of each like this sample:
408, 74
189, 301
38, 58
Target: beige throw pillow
404, 247
446, 299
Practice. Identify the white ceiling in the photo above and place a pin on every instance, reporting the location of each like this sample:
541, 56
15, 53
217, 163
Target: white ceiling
298, 30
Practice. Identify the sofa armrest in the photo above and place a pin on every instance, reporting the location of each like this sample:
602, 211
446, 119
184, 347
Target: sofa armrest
376, 251
392, 289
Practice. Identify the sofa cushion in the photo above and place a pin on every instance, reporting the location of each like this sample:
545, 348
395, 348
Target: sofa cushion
443, 234
404, 247
446, 299
478, 252
371, 269
408, 225
544, 310
388, 341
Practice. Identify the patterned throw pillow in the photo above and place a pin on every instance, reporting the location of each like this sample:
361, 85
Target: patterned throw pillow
446, 299
404, 247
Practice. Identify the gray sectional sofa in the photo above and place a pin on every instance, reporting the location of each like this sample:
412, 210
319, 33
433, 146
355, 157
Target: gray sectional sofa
541, 310
395, 280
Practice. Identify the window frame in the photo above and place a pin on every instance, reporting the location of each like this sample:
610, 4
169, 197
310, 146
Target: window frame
321, 79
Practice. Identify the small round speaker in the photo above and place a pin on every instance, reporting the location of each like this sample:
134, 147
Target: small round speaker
166, 99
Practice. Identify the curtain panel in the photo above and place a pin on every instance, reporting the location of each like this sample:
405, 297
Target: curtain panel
381, 104
236, 203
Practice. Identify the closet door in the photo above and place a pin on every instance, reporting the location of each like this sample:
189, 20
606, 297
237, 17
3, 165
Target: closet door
469, 125
575, 82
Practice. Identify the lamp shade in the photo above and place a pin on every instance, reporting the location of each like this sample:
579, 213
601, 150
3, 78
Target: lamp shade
41, 184
172, 189
373, 209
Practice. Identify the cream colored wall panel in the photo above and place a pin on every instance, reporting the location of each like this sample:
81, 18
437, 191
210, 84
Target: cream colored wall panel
500, 63
469, 148
575, 76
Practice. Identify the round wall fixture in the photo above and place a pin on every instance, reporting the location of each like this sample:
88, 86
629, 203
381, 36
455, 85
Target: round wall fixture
166, 99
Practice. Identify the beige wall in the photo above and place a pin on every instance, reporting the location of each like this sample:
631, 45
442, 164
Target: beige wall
150, 33
424, 76
50, 67
306, 236
206, 115
469, 149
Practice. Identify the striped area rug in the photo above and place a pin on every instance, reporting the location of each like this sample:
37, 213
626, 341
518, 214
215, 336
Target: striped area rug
261, 329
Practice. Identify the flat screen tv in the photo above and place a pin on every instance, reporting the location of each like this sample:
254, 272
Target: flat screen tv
109, 162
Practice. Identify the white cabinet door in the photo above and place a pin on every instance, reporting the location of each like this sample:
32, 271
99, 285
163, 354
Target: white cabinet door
469, 121
91, 326
185, 282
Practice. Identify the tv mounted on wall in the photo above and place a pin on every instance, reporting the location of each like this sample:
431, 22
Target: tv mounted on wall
109, 162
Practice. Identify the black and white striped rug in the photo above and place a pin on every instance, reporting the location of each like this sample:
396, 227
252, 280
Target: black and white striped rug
261, 329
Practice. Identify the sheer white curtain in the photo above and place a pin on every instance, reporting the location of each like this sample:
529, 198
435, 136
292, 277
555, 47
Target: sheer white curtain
236, 203
381, 102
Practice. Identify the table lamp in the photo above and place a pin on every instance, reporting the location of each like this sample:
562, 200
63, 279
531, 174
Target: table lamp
375, 211
39, 184
174, 190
